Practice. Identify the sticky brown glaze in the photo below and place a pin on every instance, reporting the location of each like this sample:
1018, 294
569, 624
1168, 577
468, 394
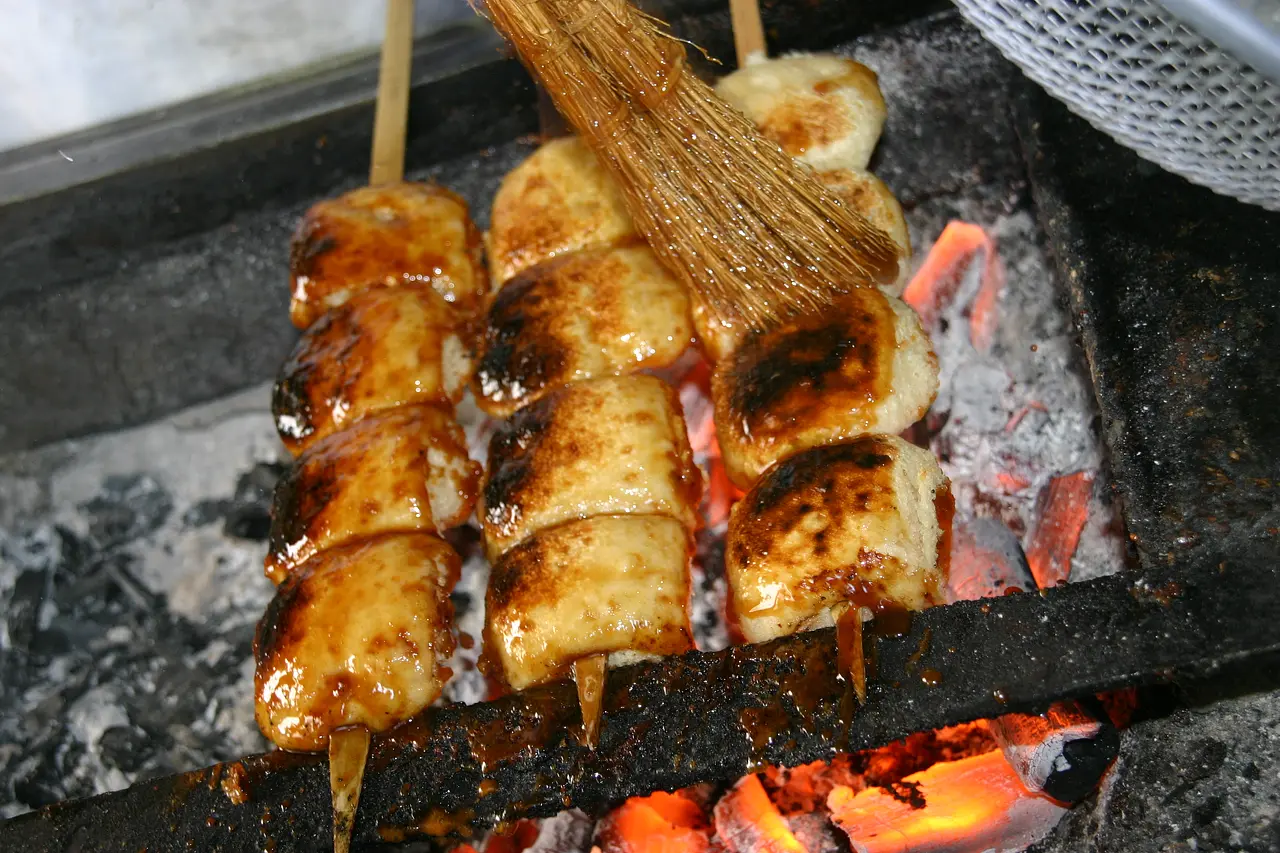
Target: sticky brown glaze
381, 237
602, 447
821, 117
357, 637
558, 201
720, 333
405, 470
864, 366
388, 347
855, 522
603, 585
868, 195
594, 313
824, 110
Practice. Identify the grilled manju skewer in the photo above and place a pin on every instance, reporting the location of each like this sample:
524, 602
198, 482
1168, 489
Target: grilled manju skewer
578, 299
838, 521
356, 638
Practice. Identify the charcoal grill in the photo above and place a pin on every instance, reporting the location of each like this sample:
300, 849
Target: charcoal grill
1175, 293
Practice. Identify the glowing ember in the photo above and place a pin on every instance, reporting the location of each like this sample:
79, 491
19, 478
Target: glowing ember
1011, 482
1022, 413
695, 399
747, 820
986, 560
517, 838
1053, 542
935, 284
660, 823
974, 804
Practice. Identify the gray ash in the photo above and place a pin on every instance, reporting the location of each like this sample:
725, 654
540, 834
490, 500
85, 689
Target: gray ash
130, 577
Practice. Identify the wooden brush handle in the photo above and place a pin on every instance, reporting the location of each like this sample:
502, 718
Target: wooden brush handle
391, 114
748, 30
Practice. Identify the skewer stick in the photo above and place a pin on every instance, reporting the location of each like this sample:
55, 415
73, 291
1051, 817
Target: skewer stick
390, 117
748, 30
849, 656
589, 674
348, 749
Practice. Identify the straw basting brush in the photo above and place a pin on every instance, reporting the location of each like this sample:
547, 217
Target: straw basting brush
748, 228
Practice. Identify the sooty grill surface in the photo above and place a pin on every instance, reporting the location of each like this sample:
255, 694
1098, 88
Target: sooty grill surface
1177, 295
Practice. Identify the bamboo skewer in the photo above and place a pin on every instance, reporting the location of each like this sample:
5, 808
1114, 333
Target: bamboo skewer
390, 118
348, 749
748, 30
589, 674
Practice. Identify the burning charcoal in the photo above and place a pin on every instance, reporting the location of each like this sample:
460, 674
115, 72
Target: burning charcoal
1064, 508
206, 512
748, 821
125, 747
568, 832
939, 280
251, 523
986, 560
23, 607
512, 838
128, 508
249, 517
656, 824
971, 805
246, 515
257, 485
1063, 753
817, 834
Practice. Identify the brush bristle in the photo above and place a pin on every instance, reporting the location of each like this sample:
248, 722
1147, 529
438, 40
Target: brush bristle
748, 228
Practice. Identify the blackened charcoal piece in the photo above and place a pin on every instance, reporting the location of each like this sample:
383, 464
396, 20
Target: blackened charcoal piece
1063, 752
256, 485
247, 514
126, 747
249, 517
207, 512
23, 608
129, 507
248, 522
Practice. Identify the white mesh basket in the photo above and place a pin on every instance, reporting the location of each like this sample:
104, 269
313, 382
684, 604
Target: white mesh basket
1138, 74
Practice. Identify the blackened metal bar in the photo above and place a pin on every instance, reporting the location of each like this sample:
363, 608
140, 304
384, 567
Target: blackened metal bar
700, 717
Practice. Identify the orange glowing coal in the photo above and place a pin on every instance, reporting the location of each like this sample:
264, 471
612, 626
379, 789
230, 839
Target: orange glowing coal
659, 823
934, 285
970, 805
1064, 511
695, 397
746, 819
